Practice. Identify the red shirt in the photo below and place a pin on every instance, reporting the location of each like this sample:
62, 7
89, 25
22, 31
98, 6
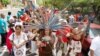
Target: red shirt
25, 17
63, 33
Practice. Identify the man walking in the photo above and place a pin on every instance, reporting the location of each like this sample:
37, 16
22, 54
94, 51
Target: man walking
3, 29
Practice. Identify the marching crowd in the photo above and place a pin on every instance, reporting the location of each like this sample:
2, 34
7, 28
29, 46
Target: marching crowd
44, 32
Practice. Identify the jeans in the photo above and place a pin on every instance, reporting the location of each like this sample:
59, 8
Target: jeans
3, 38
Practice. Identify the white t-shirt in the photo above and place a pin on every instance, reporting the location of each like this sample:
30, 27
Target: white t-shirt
17, 40
95, 46
33, 43
71, 19
11, 18
33, 46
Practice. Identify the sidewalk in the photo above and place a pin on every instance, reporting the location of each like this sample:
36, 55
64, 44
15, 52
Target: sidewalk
3, 51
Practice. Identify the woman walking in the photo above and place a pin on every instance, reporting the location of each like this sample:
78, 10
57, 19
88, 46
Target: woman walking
18, 40
46, 46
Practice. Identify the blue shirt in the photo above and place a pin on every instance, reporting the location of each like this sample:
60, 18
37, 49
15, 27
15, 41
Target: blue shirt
19, 13
3, 26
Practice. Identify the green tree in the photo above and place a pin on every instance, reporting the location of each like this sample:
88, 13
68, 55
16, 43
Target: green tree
57, 3
5, 2
70, 3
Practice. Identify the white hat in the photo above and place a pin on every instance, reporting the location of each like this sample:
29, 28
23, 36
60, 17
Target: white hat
19, 23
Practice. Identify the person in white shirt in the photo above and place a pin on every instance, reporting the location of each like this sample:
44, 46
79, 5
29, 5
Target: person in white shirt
71, 19
18, 40
95, 47
33, 36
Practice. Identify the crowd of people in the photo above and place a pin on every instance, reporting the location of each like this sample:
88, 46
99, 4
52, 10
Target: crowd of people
44, 31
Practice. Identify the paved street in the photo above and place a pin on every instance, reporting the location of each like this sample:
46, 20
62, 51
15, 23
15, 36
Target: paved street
13, 10
3, 51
